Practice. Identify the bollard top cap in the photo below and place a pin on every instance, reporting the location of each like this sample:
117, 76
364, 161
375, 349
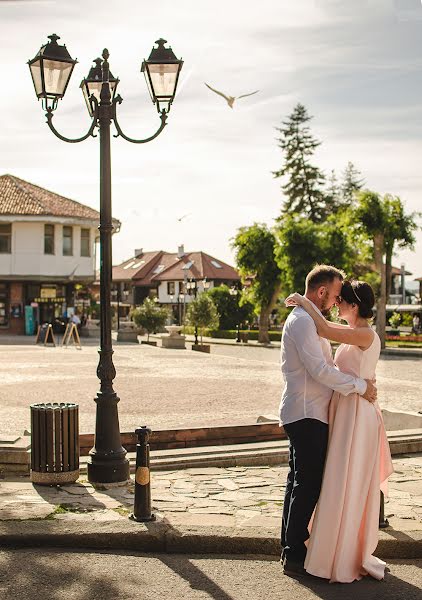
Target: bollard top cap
143, 433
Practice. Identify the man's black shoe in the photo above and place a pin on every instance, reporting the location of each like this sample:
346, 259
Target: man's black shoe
293, 568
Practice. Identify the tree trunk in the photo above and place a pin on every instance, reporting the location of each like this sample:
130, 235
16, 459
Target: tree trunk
263, 335
382, 299
388, 270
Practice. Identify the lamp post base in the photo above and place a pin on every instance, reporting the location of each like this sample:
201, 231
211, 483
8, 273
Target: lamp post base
142, 519
107, 471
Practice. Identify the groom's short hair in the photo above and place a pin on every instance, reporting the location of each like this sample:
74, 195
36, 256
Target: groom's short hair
322, 275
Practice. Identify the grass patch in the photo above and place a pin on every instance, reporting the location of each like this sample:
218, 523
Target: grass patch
121, 510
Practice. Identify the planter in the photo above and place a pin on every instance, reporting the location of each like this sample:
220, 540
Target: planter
148, 343
202, 348
128, 335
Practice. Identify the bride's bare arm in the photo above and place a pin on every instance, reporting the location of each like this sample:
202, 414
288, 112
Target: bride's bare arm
361, 336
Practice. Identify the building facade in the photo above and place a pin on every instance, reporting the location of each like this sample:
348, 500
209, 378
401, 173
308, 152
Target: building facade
174, 279
47, 255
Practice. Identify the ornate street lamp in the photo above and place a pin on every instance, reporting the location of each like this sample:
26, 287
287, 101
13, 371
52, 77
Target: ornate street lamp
161, 72
92, 84
51, 70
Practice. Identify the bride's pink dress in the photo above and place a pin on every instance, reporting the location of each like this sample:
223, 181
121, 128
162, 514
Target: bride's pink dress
344, 531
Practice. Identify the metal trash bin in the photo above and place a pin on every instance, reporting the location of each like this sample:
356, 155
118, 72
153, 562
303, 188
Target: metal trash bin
54, 443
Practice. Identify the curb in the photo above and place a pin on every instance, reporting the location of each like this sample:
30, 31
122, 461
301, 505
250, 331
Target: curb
402, 352
161, 536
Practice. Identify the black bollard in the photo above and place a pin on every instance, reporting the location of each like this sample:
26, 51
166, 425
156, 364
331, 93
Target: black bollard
383, 522
142, 501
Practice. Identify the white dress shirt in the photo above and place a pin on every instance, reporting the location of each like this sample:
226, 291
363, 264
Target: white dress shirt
309, 372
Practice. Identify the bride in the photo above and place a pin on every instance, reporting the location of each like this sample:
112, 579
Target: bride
344, 531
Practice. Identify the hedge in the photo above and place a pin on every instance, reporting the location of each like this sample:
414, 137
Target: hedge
231, 334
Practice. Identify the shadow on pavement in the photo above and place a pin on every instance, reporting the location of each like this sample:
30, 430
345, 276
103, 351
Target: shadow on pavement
75, 497
390, 588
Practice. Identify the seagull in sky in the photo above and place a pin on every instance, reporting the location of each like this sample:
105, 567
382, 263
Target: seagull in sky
184, 216
230, 99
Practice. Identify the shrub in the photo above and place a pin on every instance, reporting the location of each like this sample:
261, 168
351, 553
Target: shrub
202, 313
395, 320
150, 316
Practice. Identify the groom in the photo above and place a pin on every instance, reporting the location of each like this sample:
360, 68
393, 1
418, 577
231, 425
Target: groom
310, 378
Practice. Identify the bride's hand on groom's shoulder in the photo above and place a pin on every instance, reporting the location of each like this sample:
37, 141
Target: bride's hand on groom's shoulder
294, 300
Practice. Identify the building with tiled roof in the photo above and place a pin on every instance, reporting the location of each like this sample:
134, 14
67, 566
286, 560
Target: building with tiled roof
47, 253
172, 277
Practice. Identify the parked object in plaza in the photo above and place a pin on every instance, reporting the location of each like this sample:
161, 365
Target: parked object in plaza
202, 348
54, 443
142, 502
174, 340
45, 334
128, 332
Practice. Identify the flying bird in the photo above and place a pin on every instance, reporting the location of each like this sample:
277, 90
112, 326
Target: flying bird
184, 216
230, 99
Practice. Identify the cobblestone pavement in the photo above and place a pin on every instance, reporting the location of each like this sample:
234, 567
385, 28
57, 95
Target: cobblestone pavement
169, 388
227, 497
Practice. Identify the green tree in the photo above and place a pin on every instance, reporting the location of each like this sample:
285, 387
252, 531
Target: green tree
149, 316
352, 182
333, 197
301, 244
304, 186
231, 310
202, 312
384, 222
255, 260
371, 220
400, 232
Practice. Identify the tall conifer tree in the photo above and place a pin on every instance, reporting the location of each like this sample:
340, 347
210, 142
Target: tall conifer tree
352, 183
304, 186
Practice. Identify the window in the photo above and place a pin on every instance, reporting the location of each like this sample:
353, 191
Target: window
48, 239
216, 264
85, 243
5, 238
171, 288
4, 305
158, 269
67, 241
138, 264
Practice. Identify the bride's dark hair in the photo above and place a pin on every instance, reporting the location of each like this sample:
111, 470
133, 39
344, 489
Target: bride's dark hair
360, 293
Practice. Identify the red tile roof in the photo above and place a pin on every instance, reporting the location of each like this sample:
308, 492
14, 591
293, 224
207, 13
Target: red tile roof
129, 269
166, 266
18, 197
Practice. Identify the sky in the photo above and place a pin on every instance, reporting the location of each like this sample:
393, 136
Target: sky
356, 66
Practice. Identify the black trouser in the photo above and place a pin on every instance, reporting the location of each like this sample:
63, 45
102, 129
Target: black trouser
308, 448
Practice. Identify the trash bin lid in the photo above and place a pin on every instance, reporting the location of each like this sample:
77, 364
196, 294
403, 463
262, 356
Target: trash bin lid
53, 405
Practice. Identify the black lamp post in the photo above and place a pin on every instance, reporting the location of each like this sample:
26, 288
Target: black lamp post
51, 70
193, 285
234, 292
117, 294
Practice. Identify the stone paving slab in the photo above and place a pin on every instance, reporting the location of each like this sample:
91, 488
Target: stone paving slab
216, 510
239, 497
